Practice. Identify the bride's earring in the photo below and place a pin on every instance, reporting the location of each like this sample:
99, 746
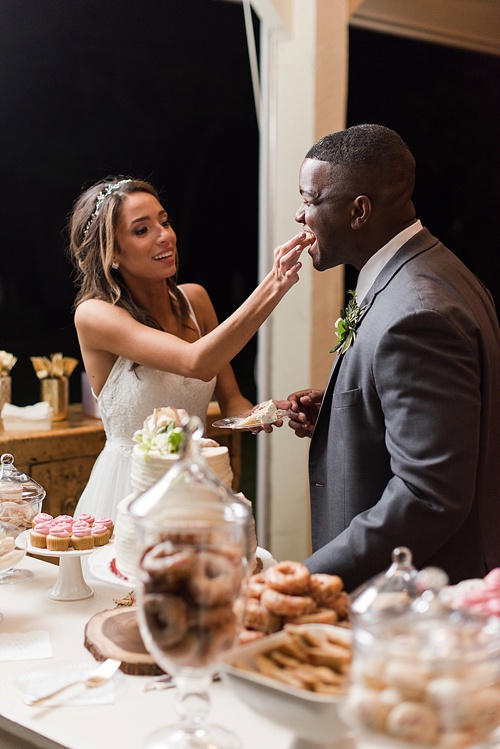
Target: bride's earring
115, 265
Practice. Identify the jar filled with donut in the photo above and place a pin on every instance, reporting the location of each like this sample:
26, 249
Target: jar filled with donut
193, 557
424, 676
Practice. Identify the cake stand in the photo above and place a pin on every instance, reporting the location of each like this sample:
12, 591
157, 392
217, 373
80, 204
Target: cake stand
70, 584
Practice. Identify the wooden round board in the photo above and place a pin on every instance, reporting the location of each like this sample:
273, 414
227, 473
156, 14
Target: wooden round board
114, 633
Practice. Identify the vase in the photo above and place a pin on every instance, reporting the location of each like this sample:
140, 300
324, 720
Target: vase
5, 390
55, 390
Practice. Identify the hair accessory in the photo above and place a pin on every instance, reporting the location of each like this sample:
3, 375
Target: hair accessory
115, 265
100, 198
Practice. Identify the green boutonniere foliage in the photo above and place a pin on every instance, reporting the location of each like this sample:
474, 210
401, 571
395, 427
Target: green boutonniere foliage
347, 323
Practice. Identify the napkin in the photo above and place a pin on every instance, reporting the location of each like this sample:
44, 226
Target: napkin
44, 680
25, 646
37, 416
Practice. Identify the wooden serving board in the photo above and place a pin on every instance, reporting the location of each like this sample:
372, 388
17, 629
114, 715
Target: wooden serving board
114, 633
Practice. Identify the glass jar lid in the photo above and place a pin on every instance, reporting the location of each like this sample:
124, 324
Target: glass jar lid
16, 486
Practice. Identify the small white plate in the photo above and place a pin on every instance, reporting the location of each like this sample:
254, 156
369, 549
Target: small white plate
234, 422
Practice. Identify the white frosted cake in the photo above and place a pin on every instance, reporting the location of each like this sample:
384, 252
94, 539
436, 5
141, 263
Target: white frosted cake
156, 451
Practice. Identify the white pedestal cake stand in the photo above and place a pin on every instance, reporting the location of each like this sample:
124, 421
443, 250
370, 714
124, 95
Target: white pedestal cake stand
70, 584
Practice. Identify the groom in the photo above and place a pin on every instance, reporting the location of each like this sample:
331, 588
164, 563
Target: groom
405, 446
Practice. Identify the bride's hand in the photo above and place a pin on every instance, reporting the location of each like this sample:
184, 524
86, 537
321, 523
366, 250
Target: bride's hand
286, 258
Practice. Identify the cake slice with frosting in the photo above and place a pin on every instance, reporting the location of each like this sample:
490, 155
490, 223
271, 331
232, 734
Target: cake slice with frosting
264, 413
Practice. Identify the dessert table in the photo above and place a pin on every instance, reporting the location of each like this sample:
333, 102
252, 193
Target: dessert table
133, 713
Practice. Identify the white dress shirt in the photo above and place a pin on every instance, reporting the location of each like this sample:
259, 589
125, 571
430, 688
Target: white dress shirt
374, 265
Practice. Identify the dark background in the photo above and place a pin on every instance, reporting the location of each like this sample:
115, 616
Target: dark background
161, 89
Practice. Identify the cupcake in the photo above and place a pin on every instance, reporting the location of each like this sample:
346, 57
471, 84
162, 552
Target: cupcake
58, 538
38, 536
100, 533
86, 518
63, 519
81, 536
42, 517
107, 522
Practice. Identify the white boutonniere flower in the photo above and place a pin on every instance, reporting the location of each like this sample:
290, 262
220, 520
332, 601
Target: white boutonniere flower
346, 325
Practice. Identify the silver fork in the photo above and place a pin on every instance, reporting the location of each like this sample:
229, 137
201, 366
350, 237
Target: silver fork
103, 673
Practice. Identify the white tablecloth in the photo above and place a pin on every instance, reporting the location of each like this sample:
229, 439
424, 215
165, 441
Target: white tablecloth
135, 713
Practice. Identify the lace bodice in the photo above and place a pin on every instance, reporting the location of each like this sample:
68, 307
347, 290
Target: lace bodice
128, 397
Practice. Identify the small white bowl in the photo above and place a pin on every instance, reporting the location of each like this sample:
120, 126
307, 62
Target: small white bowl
313, 717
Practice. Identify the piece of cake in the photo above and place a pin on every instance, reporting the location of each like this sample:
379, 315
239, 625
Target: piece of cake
264, 413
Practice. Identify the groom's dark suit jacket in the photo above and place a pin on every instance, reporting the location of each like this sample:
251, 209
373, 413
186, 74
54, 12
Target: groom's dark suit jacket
406, 450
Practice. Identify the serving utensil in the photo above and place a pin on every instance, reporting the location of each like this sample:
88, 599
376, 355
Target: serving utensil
99, 677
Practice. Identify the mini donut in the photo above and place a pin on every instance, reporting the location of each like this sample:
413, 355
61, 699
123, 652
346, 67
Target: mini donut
213, 642
341, 604
292, 578
216, 616
166, 617
215, 579
256, 616
325, 588
321, 616
414, 723
256, 585
166, 567
287, 605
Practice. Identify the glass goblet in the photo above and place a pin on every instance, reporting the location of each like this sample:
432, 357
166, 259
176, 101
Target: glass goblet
190, 578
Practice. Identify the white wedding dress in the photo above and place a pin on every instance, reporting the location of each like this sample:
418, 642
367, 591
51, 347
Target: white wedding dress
128, 397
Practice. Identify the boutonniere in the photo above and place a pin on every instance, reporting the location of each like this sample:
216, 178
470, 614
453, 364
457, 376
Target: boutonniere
347, 323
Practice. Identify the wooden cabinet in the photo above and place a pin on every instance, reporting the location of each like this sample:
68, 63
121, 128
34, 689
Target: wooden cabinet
62, 458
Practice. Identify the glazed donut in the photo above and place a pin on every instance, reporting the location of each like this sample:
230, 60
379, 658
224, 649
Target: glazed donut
215, 580
256, 616
341, 605
166, 567
292, 578
325, 588
321, 616
217, 616
287, 605
166, 617
256, 585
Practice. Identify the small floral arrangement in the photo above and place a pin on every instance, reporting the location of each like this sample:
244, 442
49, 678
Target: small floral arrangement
58, 366
347, 323
7, 361
162, 432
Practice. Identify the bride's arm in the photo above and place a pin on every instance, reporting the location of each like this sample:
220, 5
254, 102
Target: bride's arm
111, 329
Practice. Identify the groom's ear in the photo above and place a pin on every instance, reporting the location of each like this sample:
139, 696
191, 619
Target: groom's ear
361, 211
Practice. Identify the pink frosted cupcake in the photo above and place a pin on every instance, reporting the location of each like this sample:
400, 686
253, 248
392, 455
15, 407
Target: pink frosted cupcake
38, 536
101, 534
86, 518
64, 519
107, 522
42, 517
81, 536
58, 538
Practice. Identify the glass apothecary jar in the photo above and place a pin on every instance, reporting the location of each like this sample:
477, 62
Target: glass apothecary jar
425, 676
21, 496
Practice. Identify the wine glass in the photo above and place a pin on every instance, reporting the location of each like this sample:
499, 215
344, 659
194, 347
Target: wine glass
12, 551
191, 576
